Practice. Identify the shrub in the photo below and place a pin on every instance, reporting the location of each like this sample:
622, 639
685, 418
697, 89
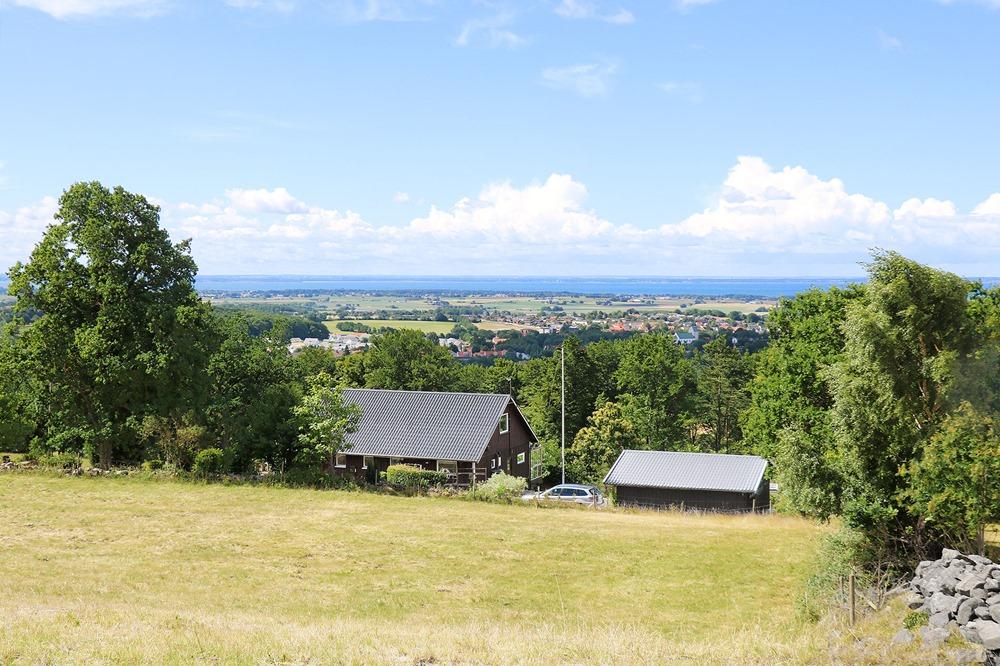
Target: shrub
64, 461
840, 553
915, 619
500, 488
209, 461
411, 477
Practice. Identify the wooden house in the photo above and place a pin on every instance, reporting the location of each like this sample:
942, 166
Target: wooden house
471, 436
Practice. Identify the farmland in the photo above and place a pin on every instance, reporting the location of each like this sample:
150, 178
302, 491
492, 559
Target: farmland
127, 570
438, 327
515, 305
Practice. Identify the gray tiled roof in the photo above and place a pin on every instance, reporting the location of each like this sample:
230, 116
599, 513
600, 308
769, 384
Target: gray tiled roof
690, 471
424, 424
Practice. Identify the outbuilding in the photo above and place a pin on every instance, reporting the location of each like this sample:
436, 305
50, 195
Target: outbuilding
703, 481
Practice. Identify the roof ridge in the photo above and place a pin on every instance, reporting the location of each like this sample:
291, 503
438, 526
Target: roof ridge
696, 453
502, 395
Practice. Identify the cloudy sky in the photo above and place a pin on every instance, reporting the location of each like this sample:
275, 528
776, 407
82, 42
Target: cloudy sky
569, 137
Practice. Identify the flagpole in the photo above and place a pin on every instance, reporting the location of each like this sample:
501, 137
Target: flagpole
562, 351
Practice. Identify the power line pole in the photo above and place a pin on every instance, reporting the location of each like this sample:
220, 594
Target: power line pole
562, 351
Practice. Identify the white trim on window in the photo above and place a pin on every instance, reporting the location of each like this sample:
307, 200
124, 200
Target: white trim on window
367, 461
450, 466
340, 460
504, 423
520, 458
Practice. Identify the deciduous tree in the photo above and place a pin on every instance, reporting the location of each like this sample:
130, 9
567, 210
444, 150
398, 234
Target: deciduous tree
122, 331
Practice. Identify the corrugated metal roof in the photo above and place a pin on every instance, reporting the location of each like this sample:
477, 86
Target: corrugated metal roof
424, 424
690, 471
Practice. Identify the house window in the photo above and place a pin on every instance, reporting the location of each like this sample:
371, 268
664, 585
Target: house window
395, 461
504, 423
341, 460
520, 458
449, 466
367, 462
493, 463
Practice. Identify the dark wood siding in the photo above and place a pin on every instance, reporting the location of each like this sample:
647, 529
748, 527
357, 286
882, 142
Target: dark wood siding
503, 449
507, 446
711, 500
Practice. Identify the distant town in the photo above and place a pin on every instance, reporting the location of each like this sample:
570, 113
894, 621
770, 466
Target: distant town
477, 327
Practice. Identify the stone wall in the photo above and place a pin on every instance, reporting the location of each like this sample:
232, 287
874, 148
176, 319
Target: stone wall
963, 592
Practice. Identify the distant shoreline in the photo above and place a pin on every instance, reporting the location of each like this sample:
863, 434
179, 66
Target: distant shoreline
596, 286
747, 288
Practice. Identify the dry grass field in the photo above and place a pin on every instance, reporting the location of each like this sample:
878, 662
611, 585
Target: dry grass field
133, 571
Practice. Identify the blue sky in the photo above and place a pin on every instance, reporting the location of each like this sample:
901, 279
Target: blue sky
726, 137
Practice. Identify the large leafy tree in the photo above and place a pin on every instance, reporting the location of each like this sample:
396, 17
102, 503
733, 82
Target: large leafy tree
19, 404
788, 419
122, 331
408, 360
543, 381
326, 420
955, 485
597, 446
723, 375
254, 386
661, 383
904, 341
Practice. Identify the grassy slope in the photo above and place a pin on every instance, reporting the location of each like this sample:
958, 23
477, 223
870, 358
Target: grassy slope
124, 570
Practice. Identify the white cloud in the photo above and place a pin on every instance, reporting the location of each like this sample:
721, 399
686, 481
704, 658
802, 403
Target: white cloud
361, 11
401, 197
277, 200
991, 206
686, 90
22, 229
274, 5
69, 9
690, 4
930, 207
587, 80
992, 4
582, 9
493, 31
888, 42
760, 221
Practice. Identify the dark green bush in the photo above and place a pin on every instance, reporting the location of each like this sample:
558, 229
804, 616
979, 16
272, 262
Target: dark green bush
411, 477
63, 461
209, 461
152, 465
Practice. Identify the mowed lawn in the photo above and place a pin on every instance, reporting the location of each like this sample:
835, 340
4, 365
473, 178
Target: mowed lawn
126, 571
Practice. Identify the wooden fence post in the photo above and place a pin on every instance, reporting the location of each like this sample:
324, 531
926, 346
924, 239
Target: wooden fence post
850, 582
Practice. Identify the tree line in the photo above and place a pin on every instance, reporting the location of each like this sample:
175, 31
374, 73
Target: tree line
876, 403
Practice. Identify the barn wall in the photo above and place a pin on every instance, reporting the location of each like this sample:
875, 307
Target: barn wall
694, 499
763, 496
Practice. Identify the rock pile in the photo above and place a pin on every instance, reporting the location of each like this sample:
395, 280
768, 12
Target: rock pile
963, 591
